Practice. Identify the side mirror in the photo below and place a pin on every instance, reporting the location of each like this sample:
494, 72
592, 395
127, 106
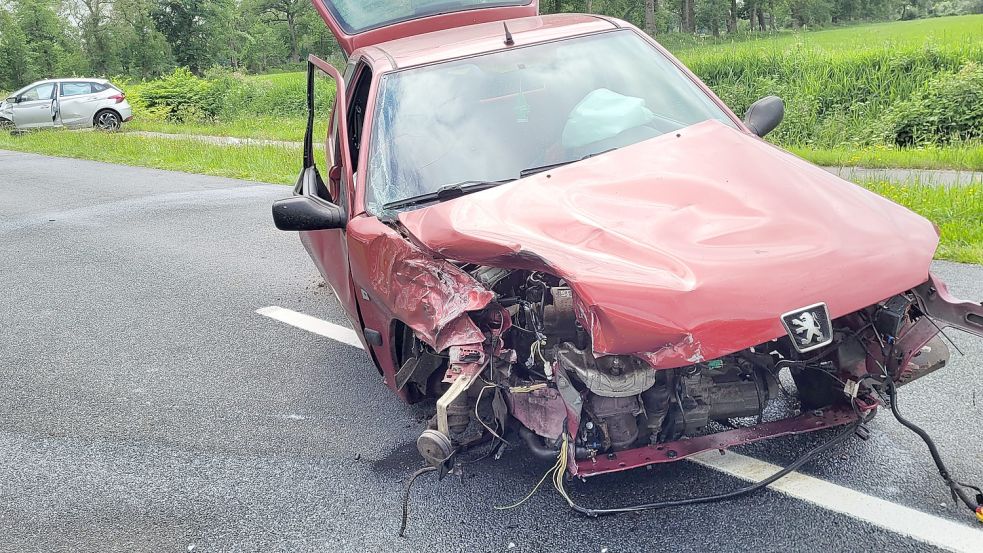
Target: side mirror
764, 115
13, 100
301, 213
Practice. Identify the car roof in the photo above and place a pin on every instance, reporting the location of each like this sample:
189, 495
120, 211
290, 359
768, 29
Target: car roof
69, 79
486, 37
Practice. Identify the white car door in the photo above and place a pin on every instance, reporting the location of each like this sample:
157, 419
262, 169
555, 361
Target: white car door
77, 103
36, 108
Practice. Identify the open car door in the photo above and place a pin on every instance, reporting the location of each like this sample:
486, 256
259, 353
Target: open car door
359, 23
320, 210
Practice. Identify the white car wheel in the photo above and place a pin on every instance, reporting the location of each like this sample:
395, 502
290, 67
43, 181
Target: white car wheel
108, 121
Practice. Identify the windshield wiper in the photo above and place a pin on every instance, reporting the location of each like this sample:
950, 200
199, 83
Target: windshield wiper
446, 192
533, 170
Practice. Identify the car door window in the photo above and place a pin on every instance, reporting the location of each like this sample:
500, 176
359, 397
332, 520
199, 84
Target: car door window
356, 112
75, 89
40, 92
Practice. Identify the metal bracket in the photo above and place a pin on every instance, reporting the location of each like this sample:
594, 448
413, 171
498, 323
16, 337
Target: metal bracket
460, 385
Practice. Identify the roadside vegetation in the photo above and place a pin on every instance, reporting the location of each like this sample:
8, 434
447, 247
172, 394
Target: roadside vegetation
958, 211
909, 84
906, 94
271, 164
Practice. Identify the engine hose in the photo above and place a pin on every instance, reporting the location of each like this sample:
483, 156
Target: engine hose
798, 463
958, 490
539, 449
536, 445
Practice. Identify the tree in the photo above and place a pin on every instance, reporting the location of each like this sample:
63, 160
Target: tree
651, 11
141, 49
196, 30
14, 71
290, 13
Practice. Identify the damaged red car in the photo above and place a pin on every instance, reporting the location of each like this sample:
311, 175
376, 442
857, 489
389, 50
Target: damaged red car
552, 229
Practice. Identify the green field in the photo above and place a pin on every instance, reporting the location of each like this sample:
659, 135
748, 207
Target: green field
855, 87
941, 30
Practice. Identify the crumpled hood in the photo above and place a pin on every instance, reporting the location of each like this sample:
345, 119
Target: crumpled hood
691, 245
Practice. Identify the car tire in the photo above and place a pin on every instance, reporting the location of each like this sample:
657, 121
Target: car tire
107, 120
6, 124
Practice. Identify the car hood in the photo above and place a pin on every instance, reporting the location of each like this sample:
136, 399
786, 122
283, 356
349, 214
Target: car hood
691, 245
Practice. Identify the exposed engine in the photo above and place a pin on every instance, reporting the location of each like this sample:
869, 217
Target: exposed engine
536, 372
625, 403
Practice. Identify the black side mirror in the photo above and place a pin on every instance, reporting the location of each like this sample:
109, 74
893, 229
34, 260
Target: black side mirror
307, 210
301, 213
764, 115
13, 100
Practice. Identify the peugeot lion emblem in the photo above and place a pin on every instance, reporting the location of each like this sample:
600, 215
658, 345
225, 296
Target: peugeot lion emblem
809, 327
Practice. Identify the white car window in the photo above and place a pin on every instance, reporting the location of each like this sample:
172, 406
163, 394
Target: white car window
75, 89
40, 92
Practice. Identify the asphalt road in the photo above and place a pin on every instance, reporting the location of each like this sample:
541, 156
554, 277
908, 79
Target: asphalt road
145, 406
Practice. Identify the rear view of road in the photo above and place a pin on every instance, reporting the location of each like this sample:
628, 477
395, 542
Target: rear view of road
145, 405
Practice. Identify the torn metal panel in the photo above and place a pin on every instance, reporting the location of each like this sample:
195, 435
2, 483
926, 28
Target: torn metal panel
669, 254
936, 301
430, 296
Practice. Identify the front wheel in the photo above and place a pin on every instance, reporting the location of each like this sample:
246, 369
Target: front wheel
6, 124
108, 121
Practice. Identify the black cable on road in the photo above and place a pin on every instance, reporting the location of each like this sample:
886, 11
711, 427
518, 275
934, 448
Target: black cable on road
406, 497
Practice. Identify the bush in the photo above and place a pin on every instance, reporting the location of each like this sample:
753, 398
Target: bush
183, 97
946, 108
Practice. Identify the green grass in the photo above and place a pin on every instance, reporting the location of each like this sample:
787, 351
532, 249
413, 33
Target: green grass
964, 157
940, 30
288, 129
957, 210
273, 164
838, 85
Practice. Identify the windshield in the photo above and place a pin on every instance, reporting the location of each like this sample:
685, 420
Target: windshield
358, 16
492, 117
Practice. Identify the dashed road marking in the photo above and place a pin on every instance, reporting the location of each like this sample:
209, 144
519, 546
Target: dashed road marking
902, 520
906, 521
312, 324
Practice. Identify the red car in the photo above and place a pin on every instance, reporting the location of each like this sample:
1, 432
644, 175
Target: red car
549, 226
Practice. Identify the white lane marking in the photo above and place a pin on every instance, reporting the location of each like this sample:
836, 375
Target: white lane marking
312, 324
905, 521
923, 527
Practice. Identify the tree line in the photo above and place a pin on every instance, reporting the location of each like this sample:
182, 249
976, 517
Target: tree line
146, 38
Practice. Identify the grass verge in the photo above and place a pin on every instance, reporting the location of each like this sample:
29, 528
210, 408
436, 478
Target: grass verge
967, 157
273, 164
957, 210
287, 129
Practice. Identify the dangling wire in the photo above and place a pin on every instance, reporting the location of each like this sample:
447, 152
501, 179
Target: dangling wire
552, 470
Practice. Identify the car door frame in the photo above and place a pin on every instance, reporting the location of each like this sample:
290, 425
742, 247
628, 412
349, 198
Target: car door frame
328, 248
49, 120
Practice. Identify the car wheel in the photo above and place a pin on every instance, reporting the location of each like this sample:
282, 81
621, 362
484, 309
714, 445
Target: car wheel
6, 124
108, 121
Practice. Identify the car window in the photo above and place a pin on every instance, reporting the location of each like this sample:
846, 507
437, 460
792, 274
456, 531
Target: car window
358, 16
99, 87
76, 89
488, 118
356, 112
40, 92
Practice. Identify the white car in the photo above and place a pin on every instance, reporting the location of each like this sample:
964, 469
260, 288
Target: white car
70, 103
